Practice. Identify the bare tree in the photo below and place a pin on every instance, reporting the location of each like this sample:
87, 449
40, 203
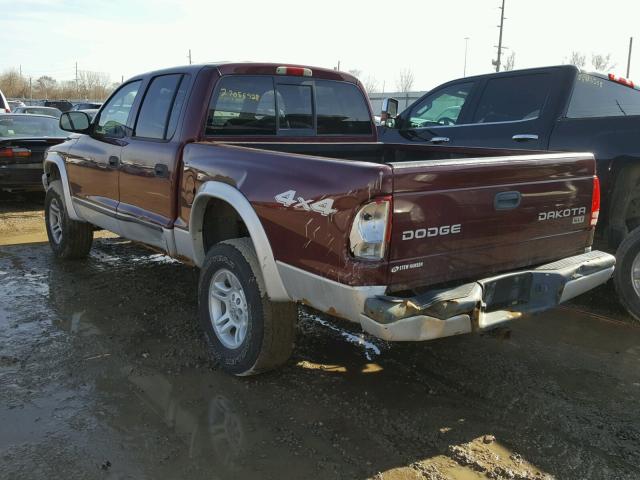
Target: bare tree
355, 72
405, 80
602, 63
578, 59
510, 63
370, 84
45, 85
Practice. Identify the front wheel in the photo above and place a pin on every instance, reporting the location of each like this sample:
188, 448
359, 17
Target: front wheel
627, 273
246, 332
68, 238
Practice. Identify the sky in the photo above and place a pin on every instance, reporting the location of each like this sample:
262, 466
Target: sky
127, 37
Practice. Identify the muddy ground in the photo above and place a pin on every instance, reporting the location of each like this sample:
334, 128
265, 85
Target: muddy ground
104, 374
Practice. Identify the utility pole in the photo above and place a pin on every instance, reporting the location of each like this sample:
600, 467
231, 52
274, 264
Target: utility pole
30, 90
629, 58
189, 56
466, 47
76, 77
497, 61
20, 71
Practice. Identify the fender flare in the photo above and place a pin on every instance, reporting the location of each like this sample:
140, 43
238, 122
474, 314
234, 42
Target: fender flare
55, 159
213, 189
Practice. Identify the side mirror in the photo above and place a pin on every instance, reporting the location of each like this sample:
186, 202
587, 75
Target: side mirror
389, 111
74, 121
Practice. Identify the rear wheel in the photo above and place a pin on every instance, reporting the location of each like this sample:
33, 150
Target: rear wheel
68, 238
627, 273
247, 333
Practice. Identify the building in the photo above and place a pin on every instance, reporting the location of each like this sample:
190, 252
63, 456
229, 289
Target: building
404, 99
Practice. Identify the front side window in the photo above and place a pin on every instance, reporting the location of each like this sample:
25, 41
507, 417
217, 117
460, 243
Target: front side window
156, 106
113, 117
511, 99
441, 108
295, 107
242, 105
598, 97
341, 109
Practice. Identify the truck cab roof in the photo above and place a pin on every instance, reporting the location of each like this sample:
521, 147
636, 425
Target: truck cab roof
254, 68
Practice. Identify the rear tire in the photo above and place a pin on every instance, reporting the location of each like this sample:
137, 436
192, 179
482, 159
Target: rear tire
627, 273
246, 332
68, 238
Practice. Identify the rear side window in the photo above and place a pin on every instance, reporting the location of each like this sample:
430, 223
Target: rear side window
596, 97
510, 99
156, 107
295, 107
341, 109
243, 105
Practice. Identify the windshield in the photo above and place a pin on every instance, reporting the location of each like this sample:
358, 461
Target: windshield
31, 126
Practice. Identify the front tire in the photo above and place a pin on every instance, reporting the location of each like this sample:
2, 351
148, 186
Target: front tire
247, 333
68, 238
627, 273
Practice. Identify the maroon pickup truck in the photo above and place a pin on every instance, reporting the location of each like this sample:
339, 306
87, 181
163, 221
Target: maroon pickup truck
270, 179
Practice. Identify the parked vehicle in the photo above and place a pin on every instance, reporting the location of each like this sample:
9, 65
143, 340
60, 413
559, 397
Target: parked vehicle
4, 105
62, 105
553, 108
86, 106
23, 142
13, 104
269, 178
50, 111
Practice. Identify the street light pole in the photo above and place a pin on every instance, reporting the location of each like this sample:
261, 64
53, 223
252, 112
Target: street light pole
466, 47
629, 58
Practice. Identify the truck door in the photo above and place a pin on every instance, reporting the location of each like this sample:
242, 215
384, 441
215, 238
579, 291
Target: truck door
435, 118
92, 165
149, 160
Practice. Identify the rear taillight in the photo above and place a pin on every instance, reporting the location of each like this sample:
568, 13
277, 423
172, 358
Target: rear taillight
595, 201
621, 80
371, 229
12, 152
295, 71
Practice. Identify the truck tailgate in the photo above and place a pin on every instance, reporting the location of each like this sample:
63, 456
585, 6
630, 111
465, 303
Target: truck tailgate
460, 218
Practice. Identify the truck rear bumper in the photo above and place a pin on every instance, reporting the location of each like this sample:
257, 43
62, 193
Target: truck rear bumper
484, 303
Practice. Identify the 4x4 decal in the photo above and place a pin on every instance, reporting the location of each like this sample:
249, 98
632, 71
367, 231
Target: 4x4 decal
289, 199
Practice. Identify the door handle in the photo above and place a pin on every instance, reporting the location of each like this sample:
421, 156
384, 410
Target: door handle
507, 200
524, 137
439, 140
161, 170
114, 161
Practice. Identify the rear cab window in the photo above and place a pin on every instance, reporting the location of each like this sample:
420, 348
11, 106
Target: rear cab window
266, 105
160, 108
594, 96
511, 99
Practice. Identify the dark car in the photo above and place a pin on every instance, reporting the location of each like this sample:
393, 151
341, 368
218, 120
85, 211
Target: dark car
23, 141
86, 106
557, 108
63, 105
49, 111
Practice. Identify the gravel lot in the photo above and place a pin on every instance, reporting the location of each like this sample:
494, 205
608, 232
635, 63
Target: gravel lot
103, 374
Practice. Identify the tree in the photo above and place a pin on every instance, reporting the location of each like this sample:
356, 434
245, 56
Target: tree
578, 59
510, 63
405, 80
45, 85
370, 84
602, 63
355, 72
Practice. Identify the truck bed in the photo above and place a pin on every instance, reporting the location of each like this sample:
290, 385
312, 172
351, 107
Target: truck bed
457, 212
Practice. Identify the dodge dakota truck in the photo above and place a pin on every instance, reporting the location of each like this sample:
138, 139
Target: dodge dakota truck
557, 108
269, 179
